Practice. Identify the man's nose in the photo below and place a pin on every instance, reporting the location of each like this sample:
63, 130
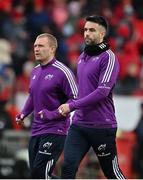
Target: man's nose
87, 33
36, 49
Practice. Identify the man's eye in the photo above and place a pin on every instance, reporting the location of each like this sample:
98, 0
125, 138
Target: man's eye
92, 30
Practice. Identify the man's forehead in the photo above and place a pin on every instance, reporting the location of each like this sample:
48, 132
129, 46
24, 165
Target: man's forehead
89, 24
41, 40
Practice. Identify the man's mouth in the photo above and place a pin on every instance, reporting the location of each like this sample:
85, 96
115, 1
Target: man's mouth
87, 40
37, 54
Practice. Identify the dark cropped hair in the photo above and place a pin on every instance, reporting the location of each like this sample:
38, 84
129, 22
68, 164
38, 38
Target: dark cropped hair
99, 20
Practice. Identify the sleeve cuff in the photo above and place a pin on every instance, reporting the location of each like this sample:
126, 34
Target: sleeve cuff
71, 106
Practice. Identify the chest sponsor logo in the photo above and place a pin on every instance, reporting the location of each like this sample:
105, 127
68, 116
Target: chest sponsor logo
49, 76
96, 58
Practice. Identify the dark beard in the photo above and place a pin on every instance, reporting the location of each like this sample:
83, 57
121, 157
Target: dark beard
96, 49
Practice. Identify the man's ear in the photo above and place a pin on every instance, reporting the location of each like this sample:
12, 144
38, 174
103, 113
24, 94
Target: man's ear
103, 33
53, 49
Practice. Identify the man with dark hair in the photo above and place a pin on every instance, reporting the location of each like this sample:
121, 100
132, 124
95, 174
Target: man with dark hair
51, 84
94, 122
100, 20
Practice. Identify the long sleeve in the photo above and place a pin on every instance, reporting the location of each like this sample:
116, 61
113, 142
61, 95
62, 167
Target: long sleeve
89, 100
67, 88
51, 115
107, 79
28, 107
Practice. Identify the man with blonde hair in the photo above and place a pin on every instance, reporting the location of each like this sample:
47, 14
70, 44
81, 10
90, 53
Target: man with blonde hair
51, 84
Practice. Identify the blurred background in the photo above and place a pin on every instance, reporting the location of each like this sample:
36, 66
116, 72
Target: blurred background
20, 22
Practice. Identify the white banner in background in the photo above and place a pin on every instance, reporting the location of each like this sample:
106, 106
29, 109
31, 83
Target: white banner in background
127, 110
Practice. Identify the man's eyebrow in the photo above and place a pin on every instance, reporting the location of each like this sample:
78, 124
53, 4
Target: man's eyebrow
91, 29
38, 45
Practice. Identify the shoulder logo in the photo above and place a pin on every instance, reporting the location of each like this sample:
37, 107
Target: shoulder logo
49, 76
79, 61
96, 58
34, 77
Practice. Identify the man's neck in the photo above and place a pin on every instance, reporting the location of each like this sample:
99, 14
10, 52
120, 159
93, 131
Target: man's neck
47, 61
96, 49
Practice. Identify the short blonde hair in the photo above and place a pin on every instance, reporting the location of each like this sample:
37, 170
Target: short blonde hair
51, 39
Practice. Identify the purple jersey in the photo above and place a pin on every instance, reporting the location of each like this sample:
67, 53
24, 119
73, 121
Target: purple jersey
96, 78
50, 86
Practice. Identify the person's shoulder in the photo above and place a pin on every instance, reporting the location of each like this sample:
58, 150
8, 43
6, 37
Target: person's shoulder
108, 57
108, 54
61, 66
81, 56
63, 70
110, 51
36, 66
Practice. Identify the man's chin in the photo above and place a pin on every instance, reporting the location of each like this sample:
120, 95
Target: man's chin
37, 59
88, 42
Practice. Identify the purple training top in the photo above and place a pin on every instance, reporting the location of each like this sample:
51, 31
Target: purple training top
96, 78
50, 86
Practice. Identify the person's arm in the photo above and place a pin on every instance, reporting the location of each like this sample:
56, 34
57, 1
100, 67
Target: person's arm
108, 75
94, 97
27, 109
45, 114
107, 79
69, 87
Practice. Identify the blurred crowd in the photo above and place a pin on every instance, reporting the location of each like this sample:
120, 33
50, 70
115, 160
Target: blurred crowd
22, 20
